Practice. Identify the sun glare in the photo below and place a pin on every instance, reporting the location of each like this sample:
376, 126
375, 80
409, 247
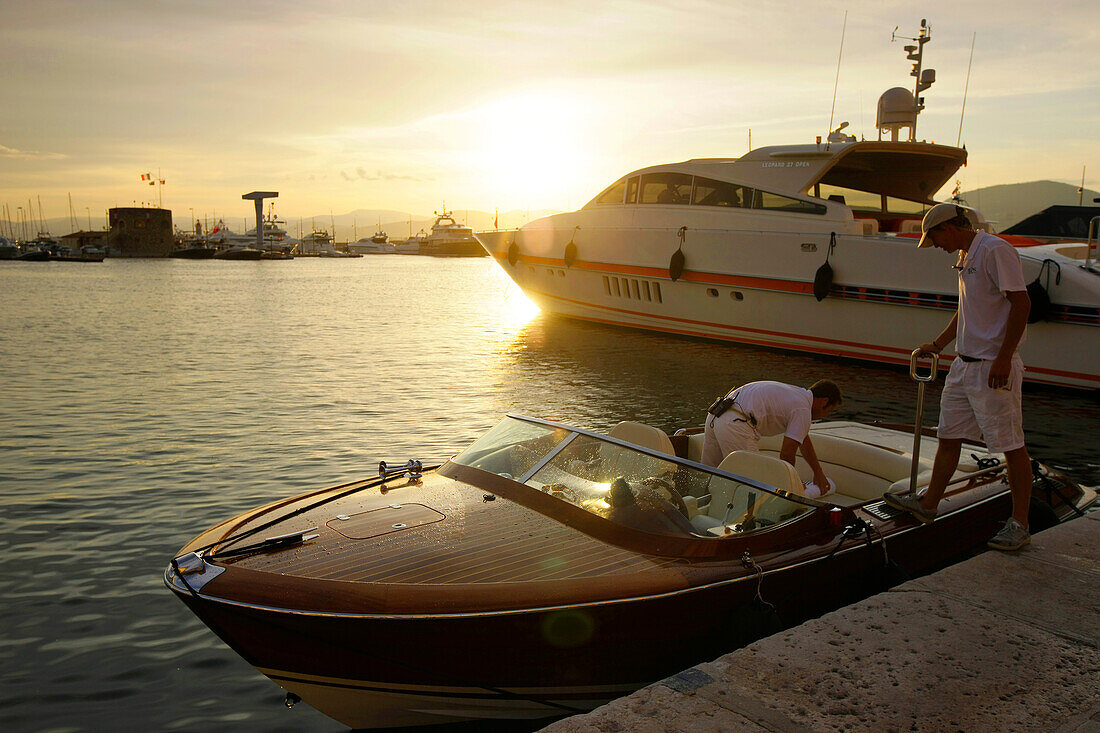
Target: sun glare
532, 149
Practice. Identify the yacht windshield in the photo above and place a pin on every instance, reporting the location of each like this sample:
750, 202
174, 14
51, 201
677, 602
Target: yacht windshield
626, 484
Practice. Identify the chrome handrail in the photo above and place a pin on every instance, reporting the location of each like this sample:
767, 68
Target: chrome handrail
921, 381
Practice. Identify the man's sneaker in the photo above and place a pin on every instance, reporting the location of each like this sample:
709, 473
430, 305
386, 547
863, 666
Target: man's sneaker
910, 504
1012, 536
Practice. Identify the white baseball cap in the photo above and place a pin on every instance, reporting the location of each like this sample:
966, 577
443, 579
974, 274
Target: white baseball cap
940, 213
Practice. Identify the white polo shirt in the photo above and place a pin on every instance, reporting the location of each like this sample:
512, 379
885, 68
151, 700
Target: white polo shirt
777, 407
991, 268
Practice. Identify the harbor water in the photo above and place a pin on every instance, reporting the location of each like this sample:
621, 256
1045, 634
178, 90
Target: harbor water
142, 401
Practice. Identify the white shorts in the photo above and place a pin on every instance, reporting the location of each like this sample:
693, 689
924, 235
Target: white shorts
971, 410
723, 435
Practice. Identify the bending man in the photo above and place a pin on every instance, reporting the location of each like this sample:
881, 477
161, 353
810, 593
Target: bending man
981, 396
738, 421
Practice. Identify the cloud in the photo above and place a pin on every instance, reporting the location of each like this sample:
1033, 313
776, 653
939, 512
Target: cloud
7, 152
361, 174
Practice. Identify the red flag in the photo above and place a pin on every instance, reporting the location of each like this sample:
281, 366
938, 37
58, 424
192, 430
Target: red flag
146, 176
496, 215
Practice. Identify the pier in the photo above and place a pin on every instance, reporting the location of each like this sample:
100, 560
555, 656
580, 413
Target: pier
1003, 641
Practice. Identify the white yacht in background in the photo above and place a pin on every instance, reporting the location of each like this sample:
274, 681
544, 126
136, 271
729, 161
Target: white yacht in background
412, 245
800, 247
276, 241
368, 246
377, 244
450, 239
318, 243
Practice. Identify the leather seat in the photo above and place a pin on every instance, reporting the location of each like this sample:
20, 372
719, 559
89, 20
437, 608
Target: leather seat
765, 469
643, 435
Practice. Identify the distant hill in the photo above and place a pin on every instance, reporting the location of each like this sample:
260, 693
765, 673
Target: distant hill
1011, 203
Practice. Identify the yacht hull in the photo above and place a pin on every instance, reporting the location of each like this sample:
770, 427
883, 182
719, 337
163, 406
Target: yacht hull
757, 288
239, 253
194, 253
456, 248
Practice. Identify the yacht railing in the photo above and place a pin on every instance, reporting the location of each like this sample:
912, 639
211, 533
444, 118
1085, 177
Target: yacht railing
1094, 232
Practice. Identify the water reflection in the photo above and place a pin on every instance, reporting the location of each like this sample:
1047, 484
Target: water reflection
145, 400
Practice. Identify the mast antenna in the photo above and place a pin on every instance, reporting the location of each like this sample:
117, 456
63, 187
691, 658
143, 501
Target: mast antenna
836, 82
966, 88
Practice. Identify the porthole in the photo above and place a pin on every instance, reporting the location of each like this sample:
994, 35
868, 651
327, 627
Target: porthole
712, 292
737, 295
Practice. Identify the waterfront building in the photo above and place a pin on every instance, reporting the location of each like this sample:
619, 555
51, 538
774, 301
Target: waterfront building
140, 232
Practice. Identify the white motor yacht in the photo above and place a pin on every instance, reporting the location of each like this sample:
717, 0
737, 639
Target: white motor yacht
377, 244
450, 239
800, 247
276, 241
412, 245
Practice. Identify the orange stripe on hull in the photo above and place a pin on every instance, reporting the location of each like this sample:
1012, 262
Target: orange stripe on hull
833, 347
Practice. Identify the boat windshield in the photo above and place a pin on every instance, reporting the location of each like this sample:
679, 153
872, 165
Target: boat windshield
628, 485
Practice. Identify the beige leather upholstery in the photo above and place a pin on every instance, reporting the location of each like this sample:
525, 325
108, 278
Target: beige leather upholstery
643, 435
861, 471
765, 469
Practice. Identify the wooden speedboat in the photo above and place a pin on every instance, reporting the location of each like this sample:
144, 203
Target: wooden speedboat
547, 569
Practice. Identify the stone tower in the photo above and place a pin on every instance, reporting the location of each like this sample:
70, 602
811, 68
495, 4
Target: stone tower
140, 232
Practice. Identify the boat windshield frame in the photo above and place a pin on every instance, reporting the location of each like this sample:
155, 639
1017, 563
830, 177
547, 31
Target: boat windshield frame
647, 500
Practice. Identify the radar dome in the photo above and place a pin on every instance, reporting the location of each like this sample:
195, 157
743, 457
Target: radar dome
896, 109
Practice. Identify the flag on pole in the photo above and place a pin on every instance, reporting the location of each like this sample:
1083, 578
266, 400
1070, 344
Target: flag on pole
146, 177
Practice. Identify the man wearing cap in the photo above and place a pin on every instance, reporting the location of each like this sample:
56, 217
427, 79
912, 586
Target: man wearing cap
981, 396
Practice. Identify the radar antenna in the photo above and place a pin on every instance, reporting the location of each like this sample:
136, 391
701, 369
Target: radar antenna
925, 77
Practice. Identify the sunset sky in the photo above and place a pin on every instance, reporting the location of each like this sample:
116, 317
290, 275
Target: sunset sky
342, 105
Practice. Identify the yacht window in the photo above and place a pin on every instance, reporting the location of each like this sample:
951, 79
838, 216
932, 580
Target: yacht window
778, 202
666, 188
901, 206
614, 194
720, 193
853, 199
632, 190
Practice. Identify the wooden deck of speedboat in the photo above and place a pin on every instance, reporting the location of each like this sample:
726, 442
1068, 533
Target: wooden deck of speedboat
469, 595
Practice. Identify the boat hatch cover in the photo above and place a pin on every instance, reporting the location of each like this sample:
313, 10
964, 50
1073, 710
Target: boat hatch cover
392, 518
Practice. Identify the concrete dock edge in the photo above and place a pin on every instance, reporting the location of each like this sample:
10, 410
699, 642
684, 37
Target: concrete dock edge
1000, 642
